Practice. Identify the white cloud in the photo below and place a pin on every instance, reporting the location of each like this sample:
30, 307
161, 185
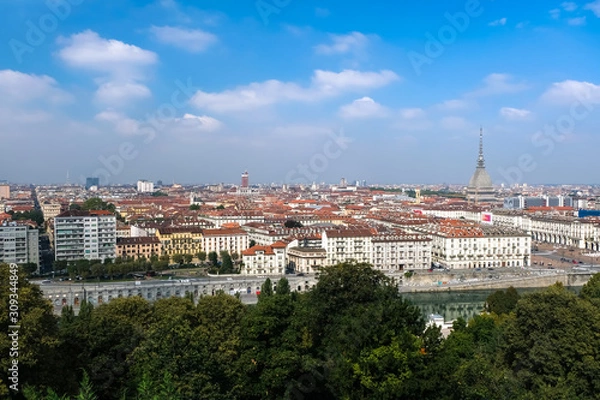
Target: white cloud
18, 87
555, 13
568, 91
364, 107
412, 113
192, 40
119, 93
454, 104
495, 84
522, 24
576, 21
87, 50
201, 123
569, 6
514, 113
342, 44
498, 22
594, 7
454, 123
323, 84
121, 123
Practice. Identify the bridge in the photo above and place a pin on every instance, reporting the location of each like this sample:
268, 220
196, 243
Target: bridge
62, 294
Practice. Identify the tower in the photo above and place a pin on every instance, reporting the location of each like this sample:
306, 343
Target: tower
480, 186
245, 179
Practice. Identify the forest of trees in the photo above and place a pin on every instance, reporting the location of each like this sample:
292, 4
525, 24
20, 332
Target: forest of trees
351, 337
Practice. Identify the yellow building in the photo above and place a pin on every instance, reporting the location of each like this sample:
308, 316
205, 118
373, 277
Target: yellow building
180, 240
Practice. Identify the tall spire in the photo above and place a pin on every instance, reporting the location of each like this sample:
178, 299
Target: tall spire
480, 160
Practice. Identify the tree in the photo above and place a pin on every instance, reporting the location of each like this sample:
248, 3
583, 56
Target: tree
290, 223
502, 302
201, 256
252, 243
178, 258
213, 258
283, 287
29, 268
266, 289
220, 207
591, 290
187, 258
553, 345
194, 207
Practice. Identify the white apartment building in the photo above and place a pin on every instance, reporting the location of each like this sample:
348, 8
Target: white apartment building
264, 260
463, 246
145, 186
85, 235
232, 240
562, 230
348, 244
19, 244
400, 252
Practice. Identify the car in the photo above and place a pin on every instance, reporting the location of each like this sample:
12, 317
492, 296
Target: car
229, 279
300, 274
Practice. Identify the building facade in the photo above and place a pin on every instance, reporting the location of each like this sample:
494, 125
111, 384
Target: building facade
19, 244
87, 235
268, 260
401, 252
139, 247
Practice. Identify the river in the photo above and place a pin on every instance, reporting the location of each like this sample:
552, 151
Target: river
454, 304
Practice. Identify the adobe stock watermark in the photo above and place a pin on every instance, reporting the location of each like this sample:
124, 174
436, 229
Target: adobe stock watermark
446, 35
266, 8
114, 164
547, 138
13, 327
319, 162
37, 31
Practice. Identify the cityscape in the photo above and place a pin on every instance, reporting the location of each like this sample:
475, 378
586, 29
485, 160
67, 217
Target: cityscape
285, 200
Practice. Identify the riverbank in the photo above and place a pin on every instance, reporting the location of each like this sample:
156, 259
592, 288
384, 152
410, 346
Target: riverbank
448, 282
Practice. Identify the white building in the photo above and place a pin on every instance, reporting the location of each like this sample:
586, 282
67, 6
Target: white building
348, 244
267, 260
401, 252
85, 235
462, 245
232, 240
145, 186
19, 244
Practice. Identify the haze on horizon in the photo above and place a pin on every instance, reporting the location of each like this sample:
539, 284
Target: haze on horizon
308, 91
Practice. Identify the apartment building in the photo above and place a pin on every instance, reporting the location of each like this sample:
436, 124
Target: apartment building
232, 240
348, 244
19, 244
461, 245
139, 247
306, 259
180, 240
85, 235
259, 260
400, 252
51, 210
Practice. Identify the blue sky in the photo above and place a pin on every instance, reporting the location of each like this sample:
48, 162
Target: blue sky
299, 91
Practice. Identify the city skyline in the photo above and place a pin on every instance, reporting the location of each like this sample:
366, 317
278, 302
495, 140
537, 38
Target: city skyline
304, 90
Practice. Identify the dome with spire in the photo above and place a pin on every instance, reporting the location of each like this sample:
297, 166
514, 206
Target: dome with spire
480, 186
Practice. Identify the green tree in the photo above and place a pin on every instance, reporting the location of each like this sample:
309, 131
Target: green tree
502, 302
201, 256
188, 258
266, 289
178, 258
252, 243
213, 258
194, 207
283, 287
29, 268
553, 345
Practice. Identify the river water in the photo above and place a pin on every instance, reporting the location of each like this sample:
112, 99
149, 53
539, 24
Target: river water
452, 305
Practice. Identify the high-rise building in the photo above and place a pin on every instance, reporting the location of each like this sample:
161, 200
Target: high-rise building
89, 182
480, 186
144, 186
85, 235
245, 179
4, 192
19, 244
